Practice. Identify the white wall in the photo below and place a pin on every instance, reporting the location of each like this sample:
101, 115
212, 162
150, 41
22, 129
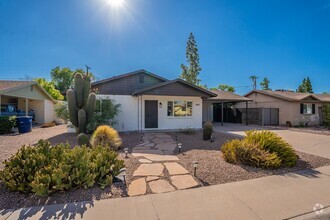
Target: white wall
165, 122
131, 116
49, 114
38, 108
128, 116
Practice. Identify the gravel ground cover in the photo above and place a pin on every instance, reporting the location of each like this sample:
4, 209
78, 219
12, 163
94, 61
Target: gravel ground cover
212, 168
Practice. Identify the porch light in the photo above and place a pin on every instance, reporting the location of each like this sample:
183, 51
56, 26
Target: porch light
179, 146
126, 151
195, 165
123, 173
160, 105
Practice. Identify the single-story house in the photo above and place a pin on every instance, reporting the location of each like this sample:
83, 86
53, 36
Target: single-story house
150, 102
24, 97
290, 108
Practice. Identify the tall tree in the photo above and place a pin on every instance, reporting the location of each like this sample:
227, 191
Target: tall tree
62, 78
224, 87
190, 73
254, 81
305, 86
265, 84
50, 88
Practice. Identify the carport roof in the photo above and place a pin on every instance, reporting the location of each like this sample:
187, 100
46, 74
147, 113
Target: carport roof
225, 96
10, 85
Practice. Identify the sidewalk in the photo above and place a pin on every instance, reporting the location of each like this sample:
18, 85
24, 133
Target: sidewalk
293, 195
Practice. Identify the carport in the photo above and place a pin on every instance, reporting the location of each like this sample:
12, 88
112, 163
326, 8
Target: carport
221, 108
23, 97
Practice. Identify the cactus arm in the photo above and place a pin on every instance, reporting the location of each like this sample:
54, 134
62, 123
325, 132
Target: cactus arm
82, 120
89, 108
73, 111
86, 90
78, 88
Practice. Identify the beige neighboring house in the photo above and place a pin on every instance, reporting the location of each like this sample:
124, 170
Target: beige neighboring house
295, 108
26, 96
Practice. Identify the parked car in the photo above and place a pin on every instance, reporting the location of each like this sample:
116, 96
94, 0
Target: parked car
11, 110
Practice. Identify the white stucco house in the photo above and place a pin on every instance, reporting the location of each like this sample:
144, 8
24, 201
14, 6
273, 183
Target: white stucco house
151, 102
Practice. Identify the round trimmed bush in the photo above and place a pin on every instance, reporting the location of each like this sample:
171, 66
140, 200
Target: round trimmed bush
106, 136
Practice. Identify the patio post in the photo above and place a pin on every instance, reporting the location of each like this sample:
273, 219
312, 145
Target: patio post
26, 107
246, 113
221, 113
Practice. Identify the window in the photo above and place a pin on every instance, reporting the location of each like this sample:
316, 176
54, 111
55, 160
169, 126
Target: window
179, 108
307, 108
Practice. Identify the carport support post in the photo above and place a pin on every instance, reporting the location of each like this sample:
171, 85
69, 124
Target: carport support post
0, 104
221, 113
246, 113
26, 107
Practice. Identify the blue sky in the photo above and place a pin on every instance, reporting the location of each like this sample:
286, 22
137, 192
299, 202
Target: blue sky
284, 40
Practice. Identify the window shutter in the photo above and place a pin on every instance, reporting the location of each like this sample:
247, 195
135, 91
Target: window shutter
313, 109
301, 108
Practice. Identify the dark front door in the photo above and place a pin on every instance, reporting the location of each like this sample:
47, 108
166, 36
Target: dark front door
151, 114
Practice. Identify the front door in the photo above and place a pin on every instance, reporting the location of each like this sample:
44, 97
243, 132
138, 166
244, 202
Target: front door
151, 114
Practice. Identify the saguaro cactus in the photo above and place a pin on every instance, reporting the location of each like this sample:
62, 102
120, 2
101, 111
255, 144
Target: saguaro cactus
81, 103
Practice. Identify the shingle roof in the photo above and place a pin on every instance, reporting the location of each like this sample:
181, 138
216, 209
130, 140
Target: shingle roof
7, 84
323, 97
228, 96
289, 96
129, 74
206, 91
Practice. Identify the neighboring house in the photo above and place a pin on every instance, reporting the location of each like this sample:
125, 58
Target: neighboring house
150, 102
26, 96
290, 107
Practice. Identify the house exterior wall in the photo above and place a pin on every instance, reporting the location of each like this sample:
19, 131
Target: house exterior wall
166, 122
49, 114
39, 110
288, 110
26, 92
131, 115
207, 111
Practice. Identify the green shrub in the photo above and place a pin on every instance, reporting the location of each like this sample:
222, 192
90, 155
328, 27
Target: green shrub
229, 150
62, 111
271, 142
106, 136
105, 113
44, 169
83, 139
254, 156
7, 123
262, 149
207, 130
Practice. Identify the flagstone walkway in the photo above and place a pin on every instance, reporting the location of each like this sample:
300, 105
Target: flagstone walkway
155, 153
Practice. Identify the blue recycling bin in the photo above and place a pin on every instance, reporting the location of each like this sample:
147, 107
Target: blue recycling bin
24, 124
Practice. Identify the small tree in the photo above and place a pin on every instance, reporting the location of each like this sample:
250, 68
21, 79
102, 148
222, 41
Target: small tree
305, 86
224, 87
104, 114
62, 111
50, 88
326, 115
265, 84
190, 73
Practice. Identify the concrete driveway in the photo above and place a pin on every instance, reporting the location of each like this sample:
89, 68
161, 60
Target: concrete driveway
315, 144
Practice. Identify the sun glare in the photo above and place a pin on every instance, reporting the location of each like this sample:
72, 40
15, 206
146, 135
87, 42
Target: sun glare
116, 3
